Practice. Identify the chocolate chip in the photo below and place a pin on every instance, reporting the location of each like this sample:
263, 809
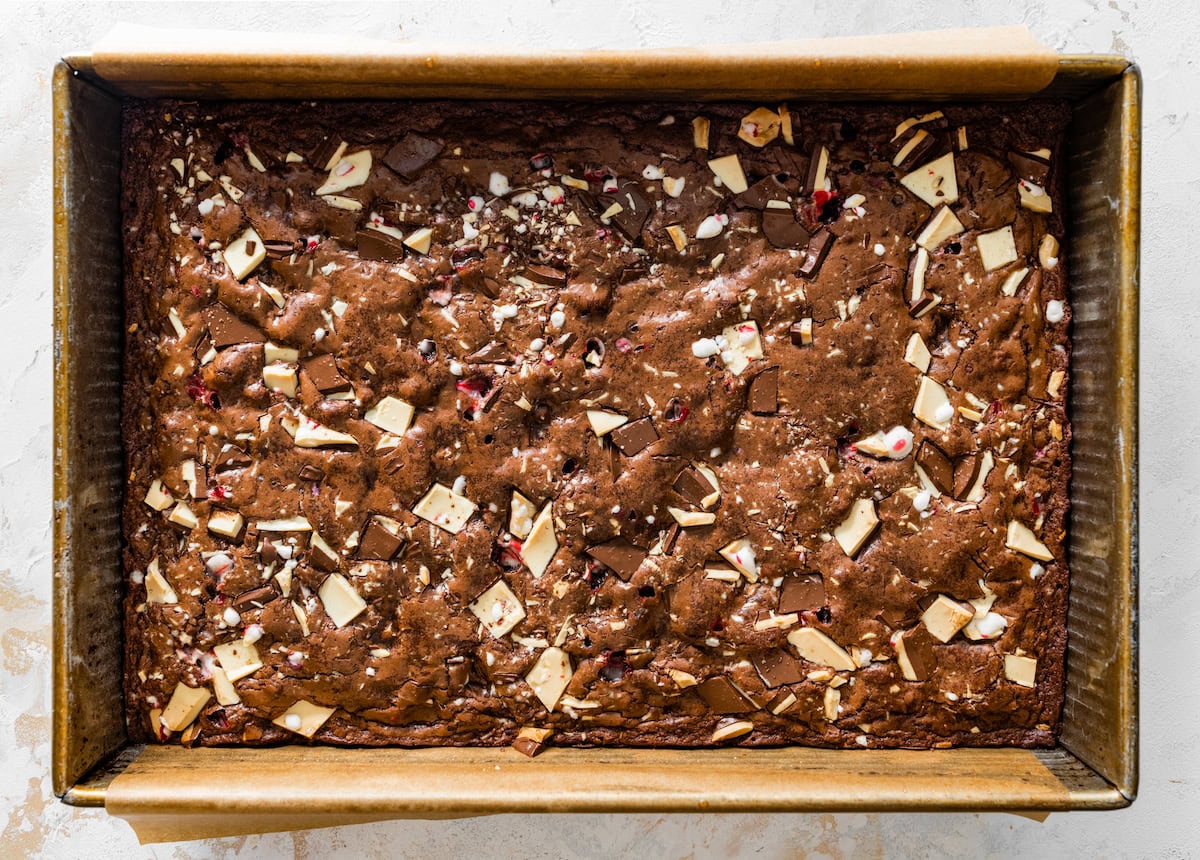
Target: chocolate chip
762, 398
225, 329
633, 437
619, 556
375, 245
412, 153
801, 594
722, 697
777, 668
324, 373
378, 542
693, 485
937, 466
818, 249
782, 229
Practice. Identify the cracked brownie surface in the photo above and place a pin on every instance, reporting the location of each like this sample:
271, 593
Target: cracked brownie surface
650, 425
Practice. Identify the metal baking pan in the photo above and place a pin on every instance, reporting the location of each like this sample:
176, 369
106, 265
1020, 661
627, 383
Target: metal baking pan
171, 792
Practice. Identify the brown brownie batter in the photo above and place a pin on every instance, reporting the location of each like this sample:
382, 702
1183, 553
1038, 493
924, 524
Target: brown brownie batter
648, 425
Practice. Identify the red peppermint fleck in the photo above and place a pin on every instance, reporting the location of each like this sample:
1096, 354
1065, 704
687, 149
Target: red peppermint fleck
624, 344
676, 411
201, 393
507, 553
220, 491
821, 196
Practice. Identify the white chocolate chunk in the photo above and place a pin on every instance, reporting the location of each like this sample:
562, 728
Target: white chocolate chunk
287, 524
342, 603
976, 491
273, 352
1022, 539
157, 496
820, 171
188, 470
912, 143
605, 422
996, 248
815, 647
445, 508
858, 525
1020, 670
158, 590
941, 226
682, 679
350, 171
238, 659
310, 434
1048, 252
672, 186
915, 120
700, 127
304, 718
184, 516
711, 476
281, 378
740, 554
920, 266
730, 730
917, 354
244, 253
420, 240
728, 169
678, 236
687, 519
539, 548
227, 523
176, 322
935, 182
932, 406
520, 516
337, 201
498, 609
392, 415
945, 617
832, 703
1013, 282
223, 687
185, 705
742, 345
759, 127
1034, 197
549, 676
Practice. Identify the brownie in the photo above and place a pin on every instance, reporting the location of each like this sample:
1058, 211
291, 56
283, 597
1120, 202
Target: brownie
654, 425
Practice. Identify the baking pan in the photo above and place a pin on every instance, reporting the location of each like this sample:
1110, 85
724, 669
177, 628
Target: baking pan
170, 792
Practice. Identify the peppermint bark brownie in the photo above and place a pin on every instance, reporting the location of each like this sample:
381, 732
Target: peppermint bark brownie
645, 425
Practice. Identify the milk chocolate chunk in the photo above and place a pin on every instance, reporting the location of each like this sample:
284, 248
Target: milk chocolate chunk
1030, 167
321, 555
763, 395
818, 169
937, 466
671, 537
966, 472
231, 457
278, 249
692, 484
531, 741
722, 697
268, 552
412, 153
917, 646
378, 542
493, 352
757, 195
546, 275
324, 373
782, 229
309, 472
321, 154
804, 593
818, 249
633, 437
374, 245
459, 672
619, 556
777, 668
635, 208
225, 329
256, 597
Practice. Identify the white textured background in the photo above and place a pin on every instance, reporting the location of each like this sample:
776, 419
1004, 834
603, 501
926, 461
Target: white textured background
1163, 822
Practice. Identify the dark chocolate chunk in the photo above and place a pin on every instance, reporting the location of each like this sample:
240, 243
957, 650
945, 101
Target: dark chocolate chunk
225, 329
619, 556
375, 245
925, 142
277, 249
693, 485
818, 249
324, 373
256, 597
294, 275
490, 287
918, 648
777, 668
378, 542
937, 466
320, 154
762, 398
885, 277
723, 697
635, 436
966, 472
814, 181
411, 154
546, 276
1031, 168
322, 559
493, 352
309, 472
268, 553
801, 594
672, 536
757, 195
782, 229
635, 208
201, 491
231, 457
